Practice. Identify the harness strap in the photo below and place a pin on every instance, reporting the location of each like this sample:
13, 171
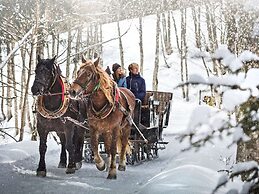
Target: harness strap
117, 94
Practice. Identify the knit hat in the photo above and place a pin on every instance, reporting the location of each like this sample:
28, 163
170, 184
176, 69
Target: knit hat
115, 66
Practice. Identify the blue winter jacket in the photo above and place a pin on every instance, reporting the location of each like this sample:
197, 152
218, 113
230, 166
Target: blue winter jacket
122, 82
137, 85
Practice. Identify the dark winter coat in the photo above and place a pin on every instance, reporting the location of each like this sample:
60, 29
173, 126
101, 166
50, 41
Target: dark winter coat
137, 85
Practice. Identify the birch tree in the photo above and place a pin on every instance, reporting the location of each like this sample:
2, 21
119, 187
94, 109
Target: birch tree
156, 66
120, 44
141, 49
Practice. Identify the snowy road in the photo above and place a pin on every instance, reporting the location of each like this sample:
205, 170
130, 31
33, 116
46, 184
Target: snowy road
19, 176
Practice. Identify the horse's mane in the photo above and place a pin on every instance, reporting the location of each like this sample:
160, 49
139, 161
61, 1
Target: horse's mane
106, 84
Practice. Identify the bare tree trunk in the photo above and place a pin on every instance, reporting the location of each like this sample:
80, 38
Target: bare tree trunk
166, 33
23, 114
69, 42
120, 44
197, 26
40, 33
141, 45
182, 50
9, 82
2, 99
78, 47
57, 51
211, 28
23, 77
3, 88
53, 46
28, 113
185, 53
231, 28
155, 73
214, 29
222, 24
48, 50
101, 46
176, 35
88, 41
164, 30
15, 96
169, 49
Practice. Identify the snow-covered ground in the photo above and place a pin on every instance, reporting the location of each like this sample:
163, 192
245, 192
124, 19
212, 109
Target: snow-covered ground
173, 172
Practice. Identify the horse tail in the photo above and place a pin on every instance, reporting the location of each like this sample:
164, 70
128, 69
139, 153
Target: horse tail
119, 147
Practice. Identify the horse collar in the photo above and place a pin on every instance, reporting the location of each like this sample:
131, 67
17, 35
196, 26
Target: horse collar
107, 108
104, 112
58, 113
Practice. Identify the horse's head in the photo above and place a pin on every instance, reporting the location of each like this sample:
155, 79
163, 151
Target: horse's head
86, 79
44, 76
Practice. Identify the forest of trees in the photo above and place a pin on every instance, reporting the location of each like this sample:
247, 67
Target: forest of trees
69, 29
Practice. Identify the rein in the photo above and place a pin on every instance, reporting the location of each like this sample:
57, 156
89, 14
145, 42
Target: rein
54, 94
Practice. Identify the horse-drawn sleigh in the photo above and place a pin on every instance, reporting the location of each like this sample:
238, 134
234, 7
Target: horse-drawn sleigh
147, 121
111, 112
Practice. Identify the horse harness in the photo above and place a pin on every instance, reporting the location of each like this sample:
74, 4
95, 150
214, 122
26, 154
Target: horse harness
106, 110
41, 109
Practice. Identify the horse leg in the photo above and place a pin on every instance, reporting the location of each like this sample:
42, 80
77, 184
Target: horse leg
79, 143
107, 144
112, 169
63, 154
71, 167
41, 170
99, 162
124, 143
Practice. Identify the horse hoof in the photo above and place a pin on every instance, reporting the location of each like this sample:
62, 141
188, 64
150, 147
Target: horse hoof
112, 176
121, 168
70, 170
100, 167
78, 165
41, 173
62, 165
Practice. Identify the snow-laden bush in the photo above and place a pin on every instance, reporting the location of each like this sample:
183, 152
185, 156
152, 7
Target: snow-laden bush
238, 116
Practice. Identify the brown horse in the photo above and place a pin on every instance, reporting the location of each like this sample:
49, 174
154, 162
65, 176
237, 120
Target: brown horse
109, 112
53, 106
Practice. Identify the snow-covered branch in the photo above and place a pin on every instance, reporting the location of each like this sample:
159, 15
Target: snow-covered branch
17, 47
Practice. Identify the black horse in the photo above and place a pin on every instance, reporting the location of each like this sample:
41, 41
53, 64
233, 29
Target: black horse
54, 107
